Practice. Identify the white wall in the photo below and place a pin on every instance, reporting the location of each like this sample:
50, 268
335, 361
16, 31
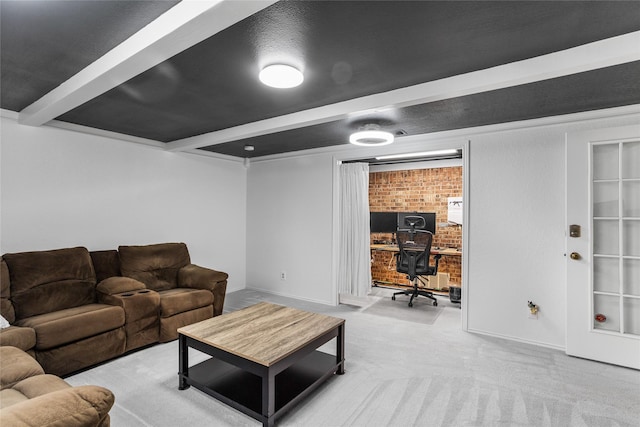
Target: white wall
516, 235
289, 227
62, 188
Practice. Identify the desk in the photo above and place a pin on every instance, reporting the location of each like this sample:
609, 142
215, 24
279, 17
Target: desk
434, 251
383, 265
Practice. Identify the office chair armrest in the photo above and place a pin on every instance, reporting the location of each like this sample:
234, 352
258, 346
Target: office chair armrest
194, 276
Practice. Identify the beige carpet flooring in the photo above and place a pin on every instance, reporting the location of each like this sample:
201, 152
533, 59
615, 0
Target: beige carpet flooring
398, 373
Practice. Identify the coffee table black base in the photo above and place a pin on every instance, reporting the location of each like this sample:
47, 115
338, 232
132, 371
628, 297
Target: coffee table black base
243, 390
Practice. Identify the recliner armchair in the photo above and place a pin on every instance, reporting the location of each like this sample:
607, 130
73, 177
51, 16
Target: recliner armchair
413, 259
188, 293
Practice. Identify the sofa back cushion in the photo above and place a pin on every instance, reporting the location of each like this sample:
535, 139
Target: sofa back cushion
47, 281
6, 308
154, 265
106, 264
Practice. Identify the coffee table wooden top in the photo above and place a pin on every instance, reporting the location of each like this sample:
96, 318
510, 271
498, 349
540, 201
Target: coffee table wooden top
263, 333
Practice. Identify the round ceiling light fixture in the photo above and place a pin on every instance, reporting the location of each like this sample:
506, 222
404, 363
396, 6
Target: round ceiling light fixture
371, 136
281, 76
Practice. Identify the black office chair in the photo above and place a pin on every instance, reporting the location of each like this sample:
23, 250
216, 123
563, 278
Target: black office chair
413, 259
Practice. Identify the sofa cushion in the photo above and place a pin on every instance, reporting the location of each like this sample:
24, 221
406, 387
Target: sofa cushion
73, 324
9, 397
174, 301
16, 336
154, 265
40, 384
169, 325
31, 387
85, 405
46, 281
16, 366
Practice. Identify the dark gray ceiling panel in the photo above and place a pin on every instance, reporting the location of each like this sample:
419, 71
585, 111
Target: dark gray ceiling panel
44, 43
604, 88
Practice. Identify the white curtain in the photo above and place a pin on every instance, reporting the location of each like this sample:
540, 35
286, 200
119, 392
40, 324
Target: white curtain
354, 267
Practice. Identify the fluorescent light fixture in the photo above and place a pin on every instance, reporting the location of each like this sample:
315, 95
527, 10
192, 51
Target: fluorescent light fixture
281, 76
420, 154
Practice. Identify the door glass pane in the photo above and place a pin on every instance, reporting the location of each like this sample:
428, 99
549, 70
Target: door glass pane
605, 237
631, 160
631, 273
606, 275
609, 307
630, 199
631, 238
605, 199
632, 316
605, 161
616, 228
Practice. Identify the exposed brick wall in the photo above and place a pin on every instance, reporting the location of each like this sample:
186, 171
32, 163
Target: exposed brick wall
421, 190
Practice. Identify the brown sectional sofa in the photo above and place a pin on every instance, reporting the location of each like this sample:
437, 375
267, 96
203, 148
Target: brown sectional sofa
71, 308
29, 397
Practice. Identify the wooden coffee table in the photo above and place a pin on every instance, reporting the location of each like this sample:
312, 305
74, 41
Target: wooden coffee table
264, 357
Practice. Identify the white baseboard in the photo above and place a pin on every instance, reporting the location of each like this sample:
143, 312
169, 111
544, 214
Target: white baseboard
511, 338
288, 295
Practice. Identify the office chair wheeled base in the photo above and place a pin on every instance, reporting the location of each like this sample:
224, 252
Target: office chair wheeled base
414, 293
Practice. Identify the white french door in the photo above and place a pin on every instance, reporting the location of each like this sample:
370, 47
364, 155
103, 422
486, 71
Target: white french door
603, 245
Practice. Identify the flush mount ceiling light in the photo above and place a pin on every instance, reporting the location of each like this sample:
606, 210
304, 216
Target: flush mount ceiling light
371, 136
420, 154
281, 76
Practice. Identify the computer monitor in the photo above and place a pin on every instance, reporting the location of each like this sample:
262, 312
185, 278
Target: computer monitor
417, 221
383, 222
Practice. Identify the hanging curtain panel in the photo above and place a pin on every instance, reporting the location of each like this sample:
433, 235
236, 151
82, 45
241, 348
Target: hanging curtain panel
354, 268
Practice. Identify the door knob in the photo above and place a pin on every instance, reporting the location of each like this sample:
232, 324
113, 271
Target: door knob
575, 255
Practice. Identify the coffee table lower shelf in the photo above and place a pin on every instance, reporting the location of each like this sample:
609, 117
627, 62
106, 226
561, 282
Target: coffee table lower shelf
243, 390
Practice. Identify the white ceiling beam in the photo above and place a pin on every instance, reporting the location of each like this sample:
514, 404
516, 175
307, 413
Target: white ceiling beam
592, 56
184, 25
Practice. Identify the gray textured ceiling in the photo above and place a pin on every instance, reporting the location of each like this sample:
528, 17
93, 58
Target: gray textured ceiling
44, 43
346, 49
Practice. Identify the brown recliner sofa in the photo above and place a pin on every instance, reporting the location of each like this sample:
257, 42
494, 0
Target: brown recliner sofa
72, 308
53, 293
29, 397
187, 293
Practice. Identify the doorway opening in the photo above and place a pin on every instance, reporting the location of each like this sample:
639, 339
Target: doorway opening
450, 234
434, 188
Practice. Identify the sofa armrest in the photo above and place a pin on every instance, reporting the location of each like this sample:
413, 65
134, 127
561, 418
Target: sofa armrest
194, 276
22, 337
118, 285
80, 406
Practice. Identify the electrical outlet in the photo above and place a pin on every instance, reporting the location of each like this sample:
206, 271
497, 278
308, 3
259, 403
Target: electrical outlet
283, 275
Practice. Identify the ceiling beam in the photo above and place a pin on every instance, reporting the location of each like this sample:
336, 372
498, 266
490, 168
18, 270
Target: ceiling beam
588, 57
184, 25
